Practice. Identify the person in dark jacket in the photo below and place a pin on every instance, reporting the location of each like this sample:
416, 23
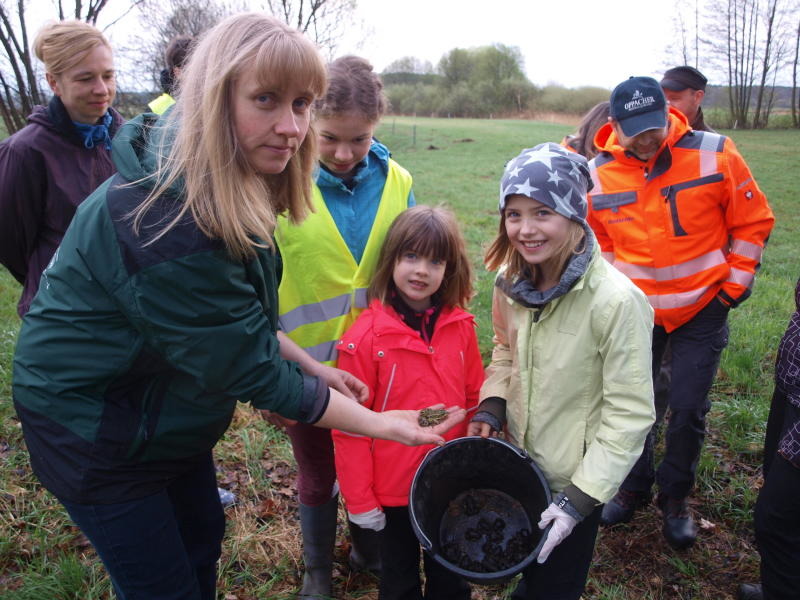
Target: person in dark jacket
159, 311
175, 56
777, 513
685, 89
49, 166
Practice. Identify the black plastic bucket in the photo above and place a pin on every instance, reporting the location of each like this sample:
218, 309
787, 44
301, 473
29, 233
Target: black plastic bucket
472, 501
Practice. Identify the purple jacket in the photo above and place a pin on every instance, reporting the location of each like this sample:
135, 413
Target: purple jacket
45, 172
787, 379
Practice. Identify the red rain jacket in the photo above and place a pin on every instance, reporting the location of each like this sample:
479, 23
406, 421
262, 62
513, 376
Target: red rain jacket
402, 372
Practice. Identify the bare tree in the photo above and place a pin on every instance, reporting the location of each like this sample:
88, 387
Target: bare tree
772, 53
19, 77
324, 21
167, 20
749, 42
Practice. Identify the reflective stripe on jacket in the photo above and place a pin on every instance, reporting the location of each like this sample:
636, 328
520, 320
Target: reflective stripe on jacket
323, 290
686, 226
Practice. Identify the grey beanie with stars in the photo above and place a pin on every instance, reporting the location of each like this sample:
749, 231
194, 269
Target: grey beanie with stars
552, 175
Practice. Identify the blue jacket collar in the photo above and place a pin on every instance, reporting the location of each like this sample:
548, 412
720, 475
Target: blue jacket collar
378, 155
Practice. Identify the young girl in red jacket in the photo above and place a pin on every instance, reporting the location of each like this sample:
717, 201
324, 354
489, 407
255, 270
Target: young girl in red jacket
414, 346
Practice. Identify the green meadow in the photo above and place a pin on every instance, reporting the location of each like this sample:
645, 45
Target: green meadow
455, 162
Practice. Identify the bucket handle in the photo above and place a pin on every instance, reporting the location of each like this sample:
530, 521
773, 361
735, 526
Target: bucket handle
523, 454
423, 540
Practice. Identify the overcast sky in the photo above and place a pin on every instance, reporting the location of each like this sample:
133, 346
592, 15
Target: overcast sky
571, 42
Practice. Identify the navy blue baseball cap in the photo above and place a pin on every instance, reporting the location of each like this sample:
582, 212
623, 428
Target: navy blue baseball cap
638, 104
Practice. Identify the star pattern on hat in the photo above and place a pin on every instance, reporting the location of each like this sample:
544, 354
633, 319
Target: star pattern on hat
543, 156
563, 203
526, 189
549, 174
513, 172
553, 177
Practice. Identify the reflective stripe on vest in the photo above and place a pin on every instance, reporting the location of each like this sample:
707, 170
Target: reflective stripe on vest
708, 144
323, 311
747, 249
323, 290
686, 269
743, 278
676, 300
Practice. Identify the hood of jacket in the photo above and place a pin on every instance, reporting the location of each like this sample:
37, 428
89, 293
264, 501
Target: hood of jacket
606, 140
135, 148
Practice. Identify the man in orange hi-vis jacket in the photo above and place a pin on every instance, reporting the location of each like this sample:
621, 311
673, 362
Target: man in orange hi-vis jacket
679, 212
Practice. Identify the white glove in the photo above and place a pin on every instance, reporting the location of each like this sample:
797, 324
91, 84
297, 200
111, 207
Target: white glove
373, 519
563, 524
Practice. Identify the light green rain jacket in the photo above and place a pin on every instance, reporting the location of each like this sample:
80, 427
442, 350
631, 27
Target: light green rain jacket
576, 376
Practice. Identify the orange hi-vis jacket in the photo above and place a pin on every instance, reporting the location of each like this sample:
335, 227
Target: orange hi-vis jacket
686, 226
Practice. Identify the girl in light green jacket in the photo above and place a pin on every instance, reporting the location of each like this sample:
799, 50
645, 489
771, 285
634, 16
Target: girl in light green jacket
570, 377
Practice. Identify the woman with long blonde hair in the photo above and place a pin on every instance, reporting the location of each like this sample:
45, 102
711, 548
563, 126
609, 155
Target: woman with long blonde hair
159, 312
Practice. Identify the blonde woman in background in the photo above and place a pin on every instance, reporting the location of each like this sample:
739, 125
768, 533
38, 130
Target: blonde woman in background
62, 154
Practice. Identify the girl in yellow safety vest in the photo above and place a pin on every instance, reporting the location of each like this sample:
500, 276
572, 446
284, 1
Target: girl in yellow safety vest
329, 261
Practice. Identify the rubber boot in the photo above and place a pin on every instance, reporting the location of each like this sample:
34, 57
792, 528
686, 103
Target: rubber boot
318, 526
364, 550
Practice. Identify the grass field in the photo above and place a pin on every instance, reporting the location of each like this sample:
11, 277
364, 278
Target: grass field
458, 163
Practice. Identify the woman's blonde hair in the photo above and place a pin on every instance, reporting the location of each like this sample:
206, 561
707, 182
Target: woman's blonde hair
225, 196
501, 252
61, 45
432, 232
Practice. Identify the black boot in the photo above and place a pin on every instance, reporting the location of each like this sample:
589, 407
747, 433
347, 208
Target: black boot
318, 526
365, 550
621, 507
679, 528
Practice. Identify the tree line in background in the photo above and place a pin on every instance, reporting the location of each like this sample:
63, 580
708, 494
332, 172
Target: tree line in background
753, 46
749, 46
488, 81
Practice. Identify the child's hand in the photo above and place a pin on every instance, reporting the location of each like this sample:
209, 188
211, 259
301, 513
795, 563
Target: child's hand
482, 429
374, 519
403, 426
344, 382
563, 524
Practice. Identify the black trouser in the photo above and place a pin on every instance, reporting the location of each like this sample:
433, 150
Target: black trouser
777, 514
563, 575
400, 578
164, 546
696, 347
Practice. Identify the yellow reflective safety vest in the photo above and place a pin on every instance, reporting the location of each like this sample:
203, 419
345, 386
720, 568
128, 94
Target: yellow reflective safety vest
323, 290
161, 104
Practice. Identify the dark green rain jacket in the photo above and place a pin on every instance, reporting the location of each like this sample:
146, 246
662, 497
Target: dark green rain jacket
132, 357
